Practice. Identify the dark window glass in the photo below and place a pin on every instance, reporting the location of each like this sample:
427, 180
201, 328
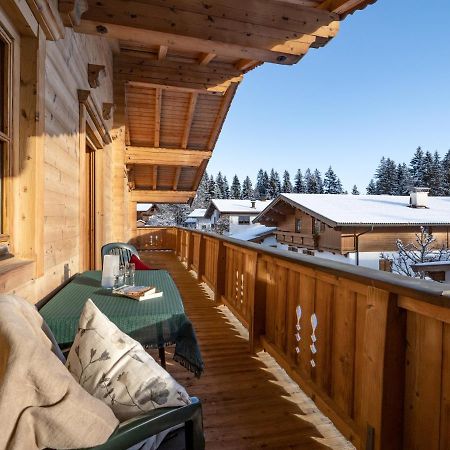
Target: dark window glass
244, 220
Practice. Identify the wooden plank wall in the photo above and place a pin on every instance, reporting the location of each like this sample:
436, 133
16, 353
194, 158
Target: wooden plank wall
374, 356
66, 65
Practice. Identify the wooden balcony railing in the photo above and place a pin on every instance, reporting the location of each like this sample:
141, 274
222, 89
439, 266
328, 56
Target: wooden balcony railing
372, 349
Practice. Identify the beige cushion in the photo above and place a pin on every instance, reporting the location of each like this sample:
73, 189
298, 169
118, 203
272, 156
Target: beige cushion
116, 369
41, 405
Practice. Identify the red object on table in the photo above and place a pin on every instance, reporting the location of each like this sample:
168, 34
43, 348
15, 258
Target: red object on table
139, 265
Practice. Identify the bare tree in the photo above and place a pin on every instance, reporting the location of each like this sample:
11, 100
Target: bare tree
423, 249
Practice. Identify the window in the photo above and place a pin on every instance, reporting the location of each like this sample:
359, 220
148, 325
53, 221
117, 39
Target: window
5, 137
318, 226
244, 220
298, 225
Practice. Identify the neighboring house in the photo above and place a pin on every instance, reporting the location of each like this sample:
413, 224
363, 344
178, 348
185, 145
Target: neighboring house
240, 213
258, 234
145, 211
196, 219
355, 228
436, 270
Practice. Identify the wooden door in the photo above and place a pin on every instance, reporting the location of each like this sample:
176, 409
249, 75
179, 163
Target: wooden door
91, 208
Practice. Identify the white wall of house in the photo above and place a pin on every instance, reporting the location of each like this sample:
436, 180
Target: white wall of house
235, 226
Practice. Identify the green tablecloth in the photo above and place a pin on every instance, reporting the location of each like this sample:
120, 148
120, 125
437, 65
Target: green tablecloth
155, 322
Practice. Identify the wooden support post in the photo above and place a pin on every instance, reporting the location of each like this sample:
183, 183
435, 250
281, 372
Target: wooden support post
201, 258
190, 249
258, 306
219, 289
384, 369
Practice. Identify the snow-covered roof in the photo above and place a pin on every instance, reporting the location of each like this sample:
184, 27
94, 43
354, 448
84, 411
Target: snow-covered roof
228, 206
441, 264
190, 220
253, 232
142, 207
199, 212
377, 210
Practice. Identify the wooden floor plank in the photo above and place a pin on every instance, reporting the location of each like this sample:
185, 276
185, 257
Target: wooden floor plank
244, 406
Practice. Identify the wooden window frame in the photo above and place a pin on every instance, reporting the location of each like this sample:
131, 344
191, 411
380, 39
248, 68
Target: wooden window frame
298, 225
7, 139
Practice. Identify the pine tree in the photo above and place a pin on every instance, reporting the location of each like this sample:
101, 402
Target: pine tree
310, 182
202, 198
247, 189
261, 186
299, 184
386, 176
274, 184
211, 188
287, 185
403, 180
319, 182
226, 188
428, 171
219, 186
355, 190
446, 174
371, 189
416, 168
332, 184
235, 188
437, 185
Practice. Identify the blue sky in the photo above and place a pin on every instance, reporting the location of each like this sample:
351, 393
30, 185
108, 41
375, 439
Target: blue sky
380, 87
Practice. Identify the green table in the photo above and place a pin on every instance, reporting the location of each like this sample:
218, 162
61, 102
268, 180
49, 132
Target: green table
155, 323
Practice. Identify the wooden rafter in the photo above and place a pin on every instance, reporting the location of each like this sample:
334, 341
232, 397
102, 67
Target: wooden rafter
165, 73
162, 52
342, 6
158, 99
165, 156
206, 58
189, 118
166, 87
156, 196
245, 64
199, 174
226, 102
155, 177
176, 178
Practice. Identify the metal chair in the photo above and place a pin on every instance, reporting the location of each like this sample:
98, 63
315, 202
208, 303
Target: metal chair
119, 248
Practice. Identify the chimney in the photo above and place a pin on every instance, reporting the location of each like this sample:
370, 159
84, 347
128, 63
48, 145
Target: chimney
253, 204
418, 197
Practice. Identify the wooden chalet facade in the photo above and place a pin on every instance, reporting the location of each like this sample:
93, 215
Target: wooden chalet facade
106, 104
345, 224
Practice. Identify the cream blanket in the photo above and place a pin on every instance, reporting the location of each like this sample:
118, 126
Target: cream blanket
41, 405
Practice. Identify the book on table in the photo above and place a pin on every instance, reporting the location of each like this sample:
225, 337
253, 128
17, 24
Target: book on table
138, 293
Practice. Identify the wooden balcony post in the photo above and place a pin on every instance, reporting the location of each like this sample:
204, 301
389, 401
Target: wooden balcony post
190, 249
220, 275
382, 393
201, 258
258, 306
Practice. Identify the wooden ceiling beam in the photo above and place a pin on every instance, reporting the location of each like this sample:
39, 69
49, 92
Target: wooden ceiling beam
172, 74
155, 177
143, 84
147, 196
199, 174
158, 99
165, 156
189, 118
258, 24
224, 107
176, 178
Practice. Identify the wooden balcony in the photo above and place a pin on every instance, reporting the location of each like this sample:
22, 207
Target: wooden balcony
373, 353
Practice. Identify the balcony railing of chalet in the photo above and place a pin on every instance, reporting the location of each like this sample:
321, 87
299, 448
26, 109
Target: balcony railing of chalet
372, 349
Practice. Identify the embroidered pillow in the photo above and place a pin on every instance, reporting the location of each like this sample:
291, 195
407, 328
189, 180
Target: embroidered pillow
116, 369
